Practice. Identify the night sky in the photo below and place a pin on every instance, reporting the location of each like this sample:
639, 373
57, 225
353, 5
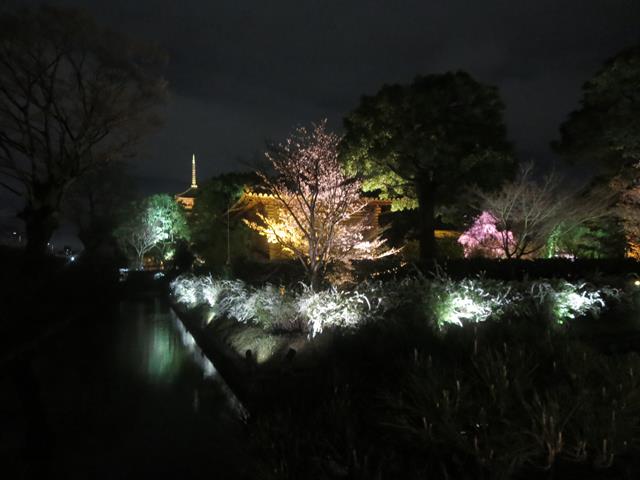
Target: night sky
241, 72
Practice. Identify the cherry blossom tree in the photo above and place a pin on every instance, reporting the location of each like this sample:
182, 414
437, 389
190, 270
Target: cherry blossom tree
321, 219
484, 239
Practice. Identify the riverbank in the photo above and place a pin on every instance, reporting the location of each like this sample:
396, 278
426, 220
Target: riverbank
259, 367
521, 396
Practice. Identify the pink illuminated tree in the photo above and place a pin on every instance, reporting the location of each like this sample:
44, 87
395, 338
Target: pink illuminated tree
321, 218
484, 239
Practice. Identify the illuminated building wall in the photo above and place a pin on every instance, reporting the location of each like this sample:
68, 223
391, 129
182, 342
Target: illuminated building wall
251, 203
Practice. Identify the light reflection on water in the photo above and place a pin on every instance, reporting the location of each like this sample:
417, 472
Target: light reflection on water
164, 352
124, 394
163, 358
150, 346
208, 370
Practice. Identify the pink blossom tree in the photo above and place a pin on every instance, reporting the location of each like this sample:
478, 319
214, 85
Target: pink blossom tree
484, 239
321, 219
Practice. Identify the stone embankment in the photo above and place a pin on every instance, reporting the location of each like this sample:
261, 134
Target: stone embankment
258, 366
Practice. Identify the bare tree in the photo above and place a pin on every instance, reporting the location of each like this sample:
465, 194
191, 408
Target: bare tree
73, 98
139, 236
321, 218
528, 212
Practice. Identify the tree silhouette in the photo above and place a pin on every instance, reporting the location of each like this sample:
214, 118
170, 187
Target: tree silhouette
73, 98
605, 130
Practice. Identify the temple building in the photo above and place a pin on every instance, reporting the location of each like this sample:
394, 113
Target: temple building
253, 202
188, 197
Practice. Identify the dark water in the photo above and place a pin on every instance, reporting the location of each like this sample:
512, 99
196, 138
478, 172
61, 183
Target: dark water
123, 396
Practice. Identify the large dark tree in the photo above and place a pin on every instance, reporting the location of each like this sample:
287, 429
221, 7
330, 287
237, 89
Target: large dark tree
605, 129
605, 133
73, 98
422, 144
94, 202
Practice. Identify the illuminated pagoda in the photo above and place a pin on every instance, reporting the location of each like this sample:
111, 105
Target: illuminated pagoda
188, 197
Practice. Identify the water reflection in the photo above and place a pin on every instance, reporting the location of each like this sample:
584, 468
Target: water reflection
208, 370
167, 353
162, 357
129, 395
155, 346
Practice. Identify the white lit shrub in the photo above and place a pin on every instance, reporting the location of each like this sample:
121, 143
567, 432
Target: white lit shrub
186, 290
349, 309
332, 308
209, 290
268, 307
567, 301
446, 301
453, 302
274, 308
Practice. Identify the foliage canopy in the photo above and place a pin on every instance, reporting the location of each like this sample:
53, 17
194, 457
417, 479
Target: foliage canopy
606, 127
422, 144
156, 222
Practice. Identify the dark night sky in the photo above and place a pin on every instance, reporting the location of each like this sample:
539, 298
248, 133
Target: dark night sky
244, 71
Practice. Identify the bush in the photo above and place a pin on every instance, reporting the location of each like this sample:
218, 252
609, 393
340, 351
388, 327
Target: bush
286, 309
451, 302
443, 301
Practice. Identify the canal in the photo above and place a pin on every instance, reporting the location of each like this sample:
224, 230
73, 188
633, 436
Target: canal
123, 396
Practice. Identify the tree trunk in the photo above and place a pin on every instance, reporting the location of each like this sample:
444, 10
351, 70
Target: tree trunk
40, 223
315, 279
426, 212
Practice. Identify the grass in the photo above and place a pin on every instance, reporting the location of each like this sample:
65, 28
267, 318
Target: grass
263, 345
511, 399
446, 378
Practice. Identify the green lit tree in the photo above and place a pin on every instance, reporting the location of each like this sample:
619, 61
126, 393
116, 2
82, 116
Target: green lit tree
423, 144
606, 128
154, 223
601, 238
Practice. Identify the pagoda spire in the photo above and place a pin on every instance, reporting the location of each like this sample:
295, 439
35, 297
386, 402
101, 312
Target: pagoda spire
194, 184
